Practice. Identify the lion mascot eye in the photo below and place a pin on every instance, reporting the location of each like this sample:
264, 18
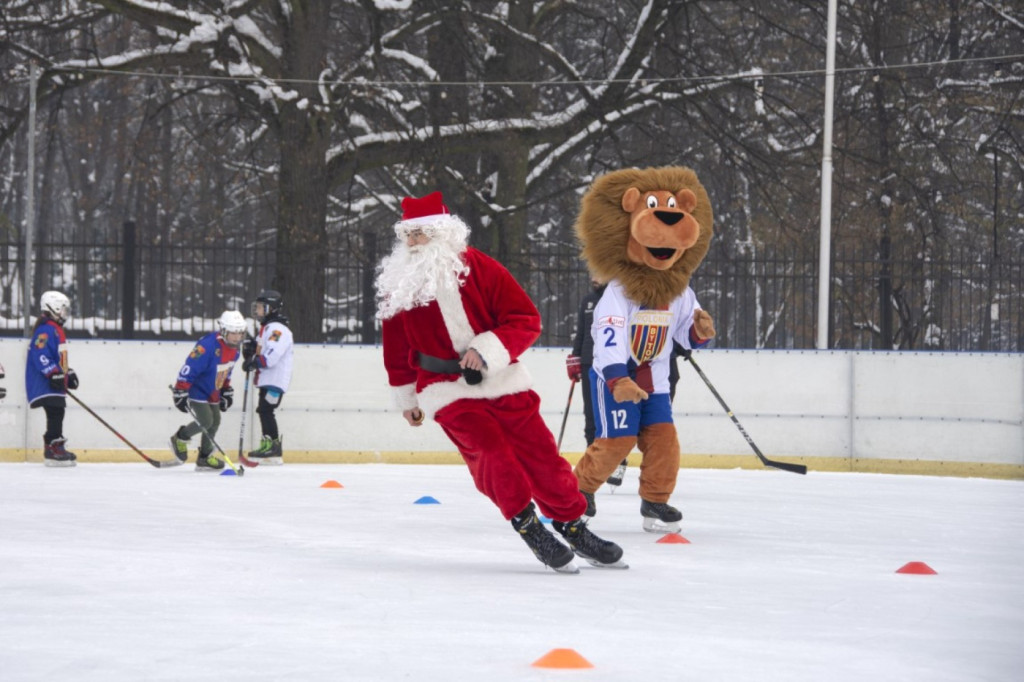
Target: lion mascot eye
652, 201
671, 203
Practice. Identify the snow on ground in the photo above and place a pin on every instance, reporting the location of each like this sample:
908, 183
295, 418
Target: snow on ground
119, 572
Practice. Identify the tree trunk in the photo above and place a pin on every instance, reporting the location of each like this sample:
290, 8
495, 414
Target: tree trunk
302, 190
505, 237
302, 229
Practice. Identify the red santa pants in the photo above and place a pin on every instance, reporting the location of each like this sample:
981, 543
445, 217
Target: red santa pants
512, 455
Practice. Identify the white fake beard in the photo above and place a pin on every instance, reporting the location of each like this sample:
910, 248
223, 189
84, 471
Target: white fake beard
412, 277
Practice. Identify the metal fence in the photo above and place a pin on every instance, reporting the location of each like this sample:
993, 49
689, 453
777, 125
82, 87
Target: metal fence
766, 299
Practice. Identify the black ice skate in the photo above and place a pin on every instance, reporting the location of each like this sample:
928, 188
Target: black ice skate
660, 517
209, 463
179, 446
269, 452
545, 546
591, 511
615, 480
597, 552
55, 455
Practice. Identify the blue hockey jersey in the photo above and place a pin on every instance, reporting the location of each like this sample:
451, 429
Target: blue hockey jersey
47, 355
207, 369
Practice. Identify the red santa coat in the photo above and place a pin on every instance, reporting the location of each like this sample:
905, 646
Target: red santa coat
490, 313
511, 453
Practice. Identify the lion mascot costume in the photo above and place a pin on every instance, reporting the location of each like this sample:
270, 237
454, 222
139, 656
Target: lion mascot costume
644, 232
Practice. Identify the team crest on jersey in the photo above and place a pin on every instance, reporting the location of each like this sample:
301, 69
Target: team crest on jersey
42, 339
275, 335
648, 334
197, 352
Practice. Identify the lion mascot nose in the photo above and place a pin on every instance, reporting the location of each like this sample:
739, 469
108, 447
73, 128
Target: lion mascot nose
668, 217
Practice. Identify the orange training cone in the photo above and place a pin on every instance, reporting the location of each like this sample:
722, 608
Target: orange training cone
674, 539
917, 568
331, 484
562, 658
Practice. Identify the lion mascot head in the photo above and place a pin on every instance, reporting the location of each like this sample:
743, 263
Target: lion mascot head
648, 228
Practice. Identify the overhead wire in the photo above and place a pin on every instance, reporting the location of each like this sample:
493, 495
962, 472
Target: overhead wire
746, 75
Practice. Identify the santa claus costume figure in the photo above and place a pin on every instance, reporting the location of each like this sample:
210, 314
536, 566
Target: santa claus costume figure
454, 324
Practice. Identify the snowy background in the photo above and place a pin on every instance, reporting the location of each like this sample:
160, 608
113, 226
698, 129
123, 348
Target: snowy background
125, 572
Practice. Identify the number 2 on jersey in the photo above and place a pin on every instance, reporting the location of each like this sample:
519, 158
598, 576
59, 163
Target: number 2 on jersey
610, 341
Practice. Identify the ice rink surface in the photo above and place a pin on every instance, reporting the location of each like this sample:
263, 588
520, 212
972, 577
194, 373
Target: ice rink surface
123, 572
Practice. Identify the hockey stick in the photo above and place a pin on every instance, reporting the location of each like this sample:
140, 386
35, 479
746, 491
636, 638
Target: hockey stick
785, 466
159, 464
238, 470
245, 461
565, 417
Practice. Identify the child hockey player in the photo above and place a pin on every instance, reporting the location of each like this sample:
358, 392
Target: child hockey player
454, 324
47, 375
204, 384
270, 355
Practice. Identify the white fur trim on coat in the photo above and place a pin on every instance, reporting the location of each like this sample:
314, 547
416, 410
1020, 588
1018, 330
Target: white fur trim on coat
512, 379
455, 319
492, 350
404, 397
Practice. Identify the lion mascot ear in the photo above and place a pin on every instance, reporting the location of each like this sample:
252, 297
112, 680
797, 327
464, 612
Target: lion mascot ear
687, 200
610, 226
631, 200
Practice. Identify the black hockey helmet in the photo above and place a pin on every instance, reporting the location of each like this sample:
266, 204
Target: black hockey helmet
267, 303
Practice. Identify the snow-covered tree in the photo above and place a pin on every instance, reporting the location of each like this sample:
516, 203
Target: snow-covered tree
300, 124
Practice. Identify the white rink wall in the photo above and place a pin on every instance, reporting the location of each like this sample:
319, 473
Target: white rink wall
836, 410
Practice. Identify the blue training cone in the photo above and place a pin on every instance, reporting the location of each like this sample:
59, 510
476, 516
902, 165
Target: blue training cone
228, 471
426, 499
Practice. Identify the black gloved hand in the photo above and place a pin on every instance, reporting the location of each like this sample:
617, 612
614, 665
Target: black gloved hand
251, 363
227, 398
180, 398
57, 381
248, 348
72, 380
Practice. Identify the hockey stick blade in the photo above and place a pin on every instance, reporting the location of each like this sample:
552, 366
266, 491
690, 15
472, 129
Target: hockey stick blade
246, 462
159, 464
783, 466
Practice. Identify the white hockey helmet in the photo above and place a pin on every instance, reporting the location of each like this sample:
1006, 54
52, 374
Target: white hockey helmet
231, 321
56, 304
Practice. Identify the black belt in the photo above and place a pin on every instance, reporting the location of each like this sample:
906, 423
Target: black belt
439, 366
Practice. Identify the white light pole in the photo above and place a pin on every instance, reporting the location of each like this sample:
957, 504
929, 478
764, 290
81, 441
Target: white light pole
30, 200
825, 246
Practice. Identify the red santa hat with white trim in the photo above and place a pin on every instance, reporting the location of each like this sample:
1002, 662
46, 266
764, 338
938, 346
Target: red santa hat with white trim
429, 214
423, 210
